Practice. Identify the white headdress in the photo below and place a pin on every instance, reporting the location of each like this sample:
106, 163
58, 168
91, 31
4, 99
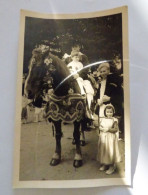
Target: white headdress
109, 105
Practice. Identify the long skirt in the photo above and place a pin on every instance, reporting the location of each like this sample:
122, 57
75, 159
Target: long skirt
108, 148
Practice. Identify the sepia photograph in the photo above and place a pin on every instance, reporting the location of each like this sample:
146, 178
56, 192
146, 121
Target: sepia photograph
72, 106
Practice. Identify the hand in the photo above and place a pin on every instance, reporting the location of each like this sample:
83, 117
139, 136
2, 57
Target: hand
106, 98
76, 76
100, 102
113, 130
105, 129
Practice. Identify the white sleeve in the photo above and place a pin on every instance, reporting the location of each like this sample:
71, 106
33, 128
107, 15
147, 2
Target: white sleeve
70, 63
80, 66
88, 87
115, 120
66, 56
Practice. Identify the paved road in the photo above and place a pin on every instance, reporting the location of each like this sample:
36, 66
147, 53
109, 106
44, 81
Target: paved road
37, 148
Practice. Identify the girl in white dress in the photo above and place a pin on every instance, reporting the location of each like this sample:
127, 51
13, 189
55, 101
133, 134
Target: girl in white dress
108, 148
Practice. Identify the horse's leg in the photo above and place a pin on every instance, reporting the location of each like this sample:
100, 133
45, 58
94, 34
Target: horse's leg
56, 158
82, 135
78, 156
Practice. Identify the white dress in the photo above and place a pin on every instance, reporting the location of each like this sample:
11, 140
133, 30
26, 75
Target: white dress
75, 66
108, 147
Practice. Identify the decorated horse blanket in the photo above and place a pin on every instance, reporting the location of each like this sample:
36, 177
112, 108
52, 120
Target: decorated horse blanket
67, 108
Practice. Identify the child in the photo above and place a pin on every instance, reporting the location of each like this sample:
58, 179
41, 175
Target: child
108, 148
75, 66
75, 63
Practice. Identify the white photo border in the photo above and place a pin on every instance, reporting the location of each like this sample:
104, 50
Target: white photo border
74, 183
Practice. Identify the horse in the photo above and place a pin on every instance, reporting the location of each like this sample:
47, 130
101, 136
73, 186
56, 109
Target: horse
65, 104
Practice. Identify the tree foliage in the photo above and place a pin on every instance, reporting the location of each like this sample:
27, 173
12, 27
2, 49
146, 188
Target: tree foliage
100, 37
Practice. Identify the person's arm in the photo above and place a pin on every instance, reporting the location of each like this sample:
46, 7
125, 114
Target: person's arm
101, 128
99, 102
84, 60
80, 65
115, 128
106, 98
116, 91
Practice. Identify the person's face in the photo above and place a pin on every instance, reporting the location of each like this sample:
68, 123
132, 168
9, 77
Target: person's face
109, 112
75, 58
95, 73
104, 71
118, 64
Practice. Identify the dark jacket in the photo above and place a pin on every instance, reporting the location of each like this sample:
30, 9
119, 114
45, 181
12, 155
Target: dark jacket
114, 91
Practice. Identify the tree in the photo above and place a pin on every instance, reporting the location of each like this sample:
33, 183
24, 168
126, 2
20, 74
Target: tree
100, 37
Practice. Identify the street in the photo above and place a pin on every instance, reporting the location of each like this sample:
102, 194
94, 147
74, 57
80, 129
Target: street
38, 146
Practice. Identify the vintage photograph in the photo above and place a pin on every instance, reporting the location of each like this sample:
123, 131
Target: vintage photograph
72, 120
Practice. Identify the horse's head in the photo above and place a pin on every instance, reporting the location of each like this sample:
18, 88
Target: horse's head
46, 71
37, 71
